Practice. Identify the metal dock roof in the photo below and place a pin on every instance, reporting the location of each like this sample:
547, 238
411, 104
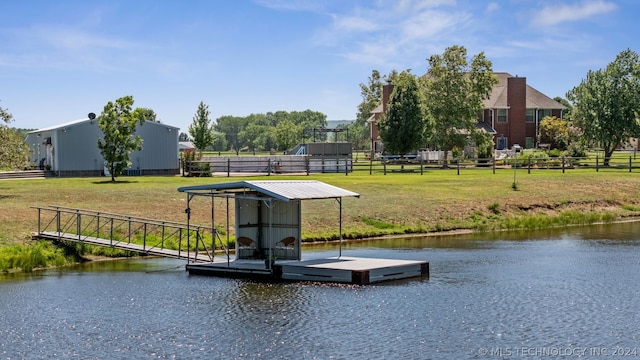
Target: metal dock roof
285, 190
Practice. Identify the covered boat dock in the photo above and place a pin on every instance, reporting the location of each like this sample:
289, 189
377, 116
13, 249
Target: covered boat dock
268, 236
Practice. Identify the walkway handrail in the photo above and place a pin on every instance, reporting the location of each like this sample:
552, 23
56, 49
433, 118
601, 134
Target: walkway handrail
124, 232
117, 216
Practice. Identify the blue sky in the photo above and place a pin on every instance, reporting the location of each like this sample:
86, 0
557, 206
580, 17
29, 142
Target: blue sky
60, 60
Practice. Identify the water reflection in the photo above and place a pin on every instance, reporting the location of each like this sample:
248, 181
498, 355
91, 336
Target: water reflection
560, 288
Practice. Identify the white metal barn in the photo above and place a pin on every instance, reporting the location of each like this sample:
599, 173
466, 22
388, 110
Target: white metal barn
71, 149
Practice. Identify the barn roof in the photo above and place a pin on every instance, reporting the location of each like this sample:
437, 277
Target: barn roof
285, 190
80, 121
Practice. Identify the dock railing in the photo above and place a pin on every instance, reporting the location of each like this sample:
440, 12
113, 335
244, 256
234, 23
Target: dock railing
148, 236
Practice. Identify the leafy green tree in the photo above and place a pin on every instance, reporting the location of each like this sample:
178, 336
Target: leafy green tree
305, 122
455, 89
200, 129
606, 103
118, 123
231, 127
256, 136
483, 144
403, 127
286, 134
371, 97
359, 130
13, 150
147, 114
219, 141
357, 134
566, 114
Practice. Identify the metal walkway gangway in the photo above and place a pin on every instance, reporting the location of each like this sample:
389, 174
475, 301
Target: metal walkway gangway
130, 233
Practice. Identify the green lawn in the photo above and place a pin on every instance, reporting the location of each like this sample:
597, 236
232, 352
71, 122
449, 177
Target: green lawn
389, 204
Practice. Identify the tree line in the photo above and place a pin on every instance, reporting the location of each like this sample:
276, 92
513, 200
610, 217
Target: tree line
278, 131
439, 109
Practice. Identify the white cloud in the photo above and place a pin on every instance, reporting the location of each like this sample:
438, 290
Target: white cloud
416, 5
491, 7
427, 24
291, 5
355, 23
77, 40
388, 32
558, 13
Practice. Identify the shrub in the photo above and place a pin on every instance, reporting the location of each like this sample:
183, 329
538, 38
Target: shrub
494, 207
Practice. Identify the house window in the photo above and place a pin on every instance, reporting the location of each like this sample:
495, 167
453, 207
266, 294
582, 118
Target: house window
502, 115
528, 142
489, 119
542, 113
531, 115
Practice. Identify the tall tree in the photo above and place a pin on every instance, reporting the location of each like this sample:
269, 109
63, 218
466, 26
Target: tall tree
13, 150
371, 97
403, 127
231, 127
566, 114
118, 123
455, 89
606, 103
371, 93
201, 130
287, 134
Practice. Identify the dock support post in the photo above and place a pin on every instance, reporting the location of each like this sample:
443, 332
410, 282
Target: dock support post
78, 217
58, 222
340, 227
39, 230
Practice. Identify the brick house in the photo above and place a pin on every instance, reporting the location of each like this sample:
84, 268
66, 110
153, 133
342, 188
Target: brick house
512, 113
514, 110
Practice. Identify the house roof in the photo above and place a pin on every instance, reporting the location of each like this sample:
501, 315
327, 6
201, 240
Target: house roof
285, 190
377, 110
534, 98
498, 97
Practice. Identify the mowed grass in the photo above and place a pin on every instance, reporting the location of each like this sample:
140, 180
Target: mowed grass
394, 203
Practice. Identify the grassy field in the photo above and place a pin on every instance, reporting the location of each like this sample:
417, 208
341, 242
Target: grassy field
397, 203
389, 204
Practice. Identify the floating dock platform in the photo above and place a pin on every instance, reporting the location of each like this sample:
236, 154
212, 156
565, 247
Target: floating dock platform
349, 270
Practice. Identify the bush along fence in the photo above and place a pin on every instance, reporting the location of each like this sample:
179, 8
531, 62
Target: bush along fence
305, 165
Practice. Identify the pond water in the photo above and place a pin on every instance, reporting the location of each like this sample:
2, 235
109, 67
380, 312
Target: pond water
565, 293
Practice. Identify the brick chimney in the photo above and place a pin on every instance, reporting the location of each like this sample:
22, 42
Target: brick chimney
386, 94
517, 101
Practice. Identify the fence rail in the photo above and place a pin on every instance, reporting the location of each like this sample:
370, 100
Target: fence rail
142, 235
305, 165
